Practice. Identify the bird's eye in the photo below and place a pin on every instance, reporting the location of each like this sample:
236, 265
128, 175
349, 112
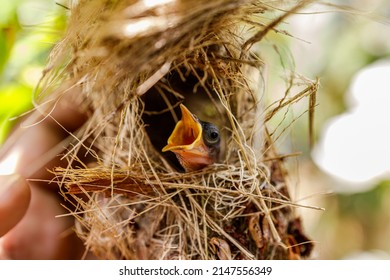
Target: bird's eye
212, 136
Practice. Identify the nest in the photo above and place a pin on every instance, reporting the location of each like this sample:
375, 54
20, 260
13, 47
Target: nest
131, 63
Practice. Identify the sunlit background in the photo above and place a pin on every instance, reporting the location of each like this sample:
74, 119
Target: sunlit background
348, 170
28, 30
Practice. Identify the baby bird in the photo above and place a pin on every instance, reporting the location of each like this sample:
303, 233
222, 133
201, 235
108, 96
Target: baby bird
195, 143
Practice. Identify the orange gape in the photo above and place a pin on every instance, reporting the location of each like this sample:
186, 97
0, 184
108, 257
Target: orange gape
195, 143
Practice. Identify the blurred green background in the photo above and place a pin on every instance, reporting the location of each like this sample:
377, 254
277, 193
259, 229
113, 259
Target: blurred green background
28, 30
332, 45
338, 46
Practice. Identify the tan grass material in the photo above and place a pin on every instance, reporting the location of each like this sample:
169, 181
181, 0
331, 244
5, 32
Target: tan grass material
131, 64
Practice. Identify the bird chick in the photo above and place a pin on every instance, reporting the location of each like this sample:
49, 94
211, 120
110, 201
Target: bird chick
195, 143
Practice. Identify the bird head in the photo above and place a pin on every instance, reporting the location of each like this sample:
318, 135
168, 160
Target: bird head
195, 143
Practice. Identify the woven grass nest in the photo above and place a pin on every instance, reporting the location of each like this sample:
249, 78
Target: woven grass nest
131, 64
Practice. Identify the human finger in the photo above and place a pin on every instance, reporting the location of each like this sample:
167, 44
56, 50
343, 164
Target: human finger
40, 234
15, 197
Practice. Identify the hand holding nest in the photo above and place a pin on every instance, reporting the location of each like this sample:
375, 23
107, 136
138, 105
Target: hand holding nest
29, 204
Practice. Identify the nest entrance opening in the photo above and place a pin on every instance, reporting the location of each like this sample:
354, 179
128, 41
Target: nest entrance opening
161, 110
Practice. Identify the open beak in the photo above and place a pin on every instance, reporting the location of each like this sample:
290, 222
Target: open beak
187, 143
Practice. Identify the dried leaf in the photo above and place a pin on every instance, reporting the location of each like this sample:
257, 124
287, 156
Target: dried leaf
221, 247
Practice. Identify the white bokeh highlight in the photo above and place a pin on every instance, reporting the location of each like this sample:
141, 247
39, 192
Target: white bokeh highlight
355, 146
9, 164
